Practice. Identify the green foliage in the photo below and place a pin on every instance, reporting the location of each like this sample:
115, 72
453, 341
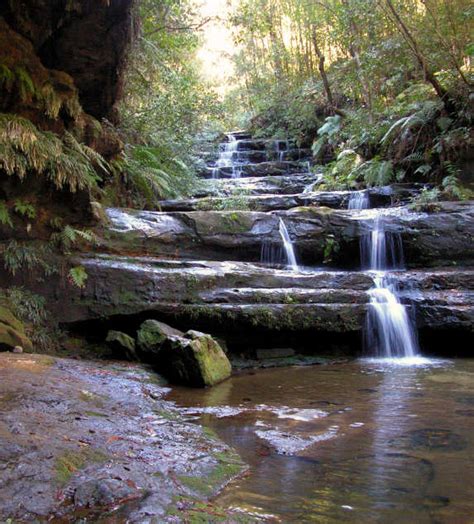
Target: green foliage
31, 309
167, 103
78, 276
331, 248
24, 209
5, 215
27, 306
155, 174
65, 162
426, 200
69, 237
26, 256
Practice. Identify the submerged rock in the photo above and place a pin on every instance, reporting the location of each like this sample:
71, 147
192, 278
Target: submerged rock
195, 360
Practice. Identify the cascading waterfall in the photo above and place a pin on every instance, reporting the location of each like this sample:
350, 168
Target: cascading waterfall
389, 330
288, 246
358, 200
226, 158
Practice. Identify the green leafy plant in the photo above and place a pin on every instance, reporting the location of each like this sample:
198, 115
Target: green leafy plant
426, 200
27, 256
24, 209
65, 162
78, 276
69, 237
5, 218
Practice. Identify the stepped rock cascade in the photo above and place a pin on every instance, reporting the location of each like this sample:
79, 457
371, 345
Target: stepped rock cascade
389, 331
216, 262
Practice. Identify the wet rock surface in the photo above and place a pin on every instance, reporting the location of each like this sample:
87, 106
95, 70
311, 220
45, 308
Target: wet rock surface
88, 439
429, 239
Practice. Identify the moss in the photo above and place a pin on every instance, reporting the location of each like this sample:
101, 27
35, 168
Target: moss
95, 414
91, 398
72, 461
229, 465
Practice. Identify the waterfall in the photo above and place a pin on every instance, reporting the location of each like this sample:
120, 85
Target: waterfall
226, 157
282, 152
358, 200
288, 246
389, 331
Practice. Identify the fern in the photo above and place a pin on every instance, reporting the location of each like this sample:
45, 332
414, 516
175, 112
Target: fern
78, 276
27, 256
154, 174
25, 84
68, 237
66, 163
7, 78
24, 209
5, 215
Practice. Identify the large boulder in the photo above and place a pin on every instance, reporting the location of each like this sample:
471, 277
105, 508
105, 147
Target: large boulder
12, 331
152, 335
122, 345
193, 360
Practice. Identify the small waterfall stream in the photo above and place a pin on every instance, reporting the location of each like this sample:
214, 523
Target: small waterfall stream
288, 246
226, 157
389, 330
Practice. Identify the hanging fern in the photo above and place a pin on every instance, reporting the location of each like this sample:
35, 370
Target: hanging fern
78, 276
66, 163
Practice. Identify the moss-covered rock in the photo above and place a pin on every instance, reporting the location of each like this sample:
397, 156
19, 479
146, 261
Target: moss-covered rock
194, 360
152, 335
12, 331
122, 344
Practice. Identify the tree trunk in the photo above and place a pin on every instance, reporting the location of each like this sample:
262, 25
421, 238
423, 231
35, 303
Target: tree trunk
322, 69
421, 60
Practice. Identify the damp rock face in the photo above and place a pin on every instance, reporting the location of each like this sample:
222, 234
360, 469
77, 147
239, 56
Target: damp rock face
80, 440
194, 360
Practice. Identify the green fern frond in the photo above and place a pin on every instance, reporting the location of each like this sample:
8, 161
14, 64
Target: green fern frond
24, 209
78, 276
7, 78
25, 84
5, 215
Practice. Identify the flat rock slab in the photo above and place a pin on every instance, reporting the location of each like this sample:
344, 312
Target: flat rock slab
432, 239
88, 439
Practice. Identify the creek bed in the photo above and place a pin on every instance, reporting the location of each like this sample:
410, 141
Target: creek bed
347, 442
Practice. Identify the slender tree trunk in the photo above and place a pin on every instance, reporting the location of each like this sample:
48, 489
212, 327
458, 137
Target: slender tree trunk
354, 51
322, 69
421, 60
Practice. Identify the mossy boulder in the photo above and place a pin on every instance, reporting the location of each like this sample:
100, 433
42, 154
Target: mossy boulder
195, 359
12, 331
152, 335
121, 344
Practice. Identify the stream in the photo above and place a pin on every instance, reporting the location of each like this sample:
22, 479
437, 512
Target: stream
347, 442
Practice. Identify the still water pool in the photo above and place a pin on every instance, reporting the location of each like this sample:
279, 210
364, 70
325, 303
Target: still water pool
362, 441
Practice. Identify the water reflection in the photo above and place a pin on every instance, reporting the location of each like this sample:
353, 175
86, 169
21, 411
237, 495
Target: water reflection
400, 436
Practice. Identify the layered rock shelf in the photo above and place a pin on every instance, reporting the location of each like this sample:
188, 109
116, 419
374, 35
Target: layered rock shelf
193, 263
